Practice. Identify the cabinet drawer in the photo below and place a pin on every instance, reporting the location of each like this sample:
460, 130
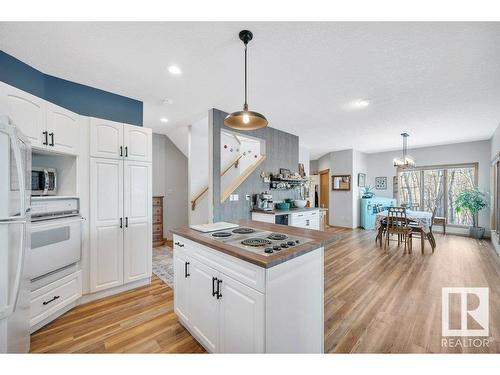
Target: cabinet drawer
157, 236
157, 201
244, 272
157, 219
157, 211
53, 297
157, 228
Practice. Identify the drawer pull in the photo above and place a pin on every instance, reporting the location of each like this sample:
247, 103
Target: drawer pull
215, 292
186, 270
219, 294
179, 244
51, 300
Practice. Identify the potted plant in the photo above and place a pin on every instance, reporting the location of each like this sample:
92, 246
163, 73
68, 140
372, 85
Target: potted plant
367, 192
472, 201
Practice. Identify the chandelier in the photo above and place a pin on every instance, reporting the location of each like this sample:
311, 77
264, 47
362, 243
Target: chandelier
406, 161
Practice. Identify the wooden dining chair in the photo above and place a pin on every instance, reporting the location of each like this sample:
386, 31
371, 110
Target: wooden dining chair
383, 225
417, 231
397, 223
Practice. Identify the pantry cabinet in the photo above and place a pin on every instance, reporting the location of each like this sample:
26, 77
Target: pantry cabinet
109, 139
120, 222
224, 314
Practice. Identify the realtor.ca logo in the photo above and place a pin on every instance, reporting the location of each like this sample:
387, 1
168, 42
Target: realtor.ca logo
465, 317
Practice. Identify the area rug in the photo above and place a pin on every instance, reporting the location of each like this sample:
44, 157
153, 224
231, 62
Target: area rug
163, 264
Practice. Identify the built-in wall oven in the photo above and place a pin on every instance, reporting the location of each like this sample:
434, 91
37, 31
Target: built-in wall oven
43, 181
55, 236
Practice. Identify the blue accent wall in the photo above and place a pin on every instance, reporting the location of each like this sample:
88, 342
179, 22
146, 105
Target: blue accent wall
84, 100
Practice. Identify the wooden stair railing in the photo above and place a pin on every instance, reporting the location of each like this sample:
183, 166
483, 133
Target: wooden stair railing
242, 177
197, 197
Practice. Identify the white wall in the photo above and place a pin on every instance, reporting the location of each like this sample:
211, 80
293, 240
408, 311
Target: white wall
381, 164
198, 169
170, 180
359, 165
341, 212
495, 142
304, 158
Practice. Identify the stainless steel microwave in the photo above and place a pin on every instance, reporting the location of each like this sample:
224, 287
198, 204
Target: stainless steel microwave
43, 181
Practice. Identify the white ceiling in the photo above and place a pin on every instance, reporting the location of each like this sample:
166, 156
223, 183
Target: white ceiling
440, 82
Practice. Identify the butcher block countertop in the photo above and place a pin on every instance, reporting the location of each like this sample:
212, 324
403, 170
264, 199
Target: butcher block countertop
318, 239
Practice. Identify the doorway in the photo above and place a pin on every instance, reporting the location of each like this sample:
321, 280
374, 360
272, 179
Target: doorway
324, 192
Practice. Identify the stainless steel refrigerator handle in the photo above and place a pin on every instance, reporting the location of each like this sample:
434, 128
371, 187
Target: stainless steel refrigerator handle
9, 309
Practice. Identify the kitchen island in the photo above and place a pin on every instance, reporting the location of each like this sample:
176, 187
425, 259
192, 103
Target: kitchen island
254, 289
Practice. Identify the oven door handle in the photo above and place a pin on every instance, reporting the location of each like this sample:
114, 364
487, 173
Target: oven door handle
46, 180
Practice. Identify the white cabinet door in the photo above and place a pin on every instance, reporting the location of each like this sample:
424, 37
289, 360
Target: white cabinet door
137, 142
182, 282
241, 318
63, 128
106, 139
204, 307
26, 111
138, 220
106, 219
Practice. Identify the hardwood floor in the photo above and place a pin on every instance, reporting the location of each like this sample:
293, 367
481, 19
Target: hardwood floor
376, 301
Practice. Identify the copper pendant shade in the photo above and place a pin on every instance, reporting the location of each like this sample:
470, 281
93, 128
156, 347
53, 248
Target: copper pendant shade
245, 120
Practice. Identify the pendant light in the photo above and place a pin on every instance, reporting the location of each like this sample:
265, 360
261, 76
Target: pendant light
406, 161
245, 120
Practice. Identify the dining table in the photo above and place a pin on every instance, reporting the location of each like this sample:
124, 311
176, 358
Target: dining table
419, 219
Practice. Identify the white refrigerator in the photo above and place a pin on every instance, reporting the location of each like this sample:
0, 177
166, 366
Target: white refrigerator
15, 186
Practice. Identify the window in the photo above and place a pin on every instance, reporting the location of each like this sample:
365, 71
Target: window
437, 188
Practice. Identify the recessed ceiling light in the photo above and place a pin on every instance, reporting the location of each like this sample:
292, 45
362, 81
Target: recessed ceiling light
164, 120
361, 103
174, 69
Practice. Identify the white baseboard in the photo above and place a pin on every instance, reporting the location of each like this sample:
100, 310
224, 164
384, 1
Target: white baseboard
109, 292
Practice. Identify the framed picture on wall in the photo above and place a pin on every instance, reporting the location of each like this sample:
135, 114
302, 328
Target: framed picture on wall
381, 183
361, 179
341, 182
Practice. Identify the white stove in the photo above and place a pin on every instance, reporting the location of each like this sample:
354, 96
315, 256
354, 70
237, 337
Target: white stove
257, 241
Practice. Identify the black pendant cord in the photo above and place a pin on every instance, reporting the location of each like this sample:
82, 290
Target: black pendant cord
245, 106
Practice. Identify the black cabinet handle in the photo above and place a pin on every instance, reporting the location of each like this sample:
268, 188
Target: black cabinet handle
51, 139
219, 295
186, 270
121, 150
126, 222
126, 151
51, 300
46, 134
215, 292
179, 244
121, 223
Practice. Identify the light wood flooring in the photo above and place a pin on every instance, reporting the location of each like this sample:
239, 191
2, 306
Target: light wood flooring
376, 301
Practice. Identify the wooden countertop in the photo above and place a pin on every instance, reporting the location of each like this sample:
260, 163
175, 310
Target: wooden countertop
318, 239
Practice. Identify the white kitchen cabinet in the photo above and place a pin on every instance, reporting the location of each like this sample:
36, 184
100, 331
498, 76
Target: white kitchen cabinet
241, 318
120, 222
63, 128
46, 125
106, 139
106, 224
305, 219
204, 305
138, 223
257, 310
225, 315
114, 140
26, 111
182, 265
137, 143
